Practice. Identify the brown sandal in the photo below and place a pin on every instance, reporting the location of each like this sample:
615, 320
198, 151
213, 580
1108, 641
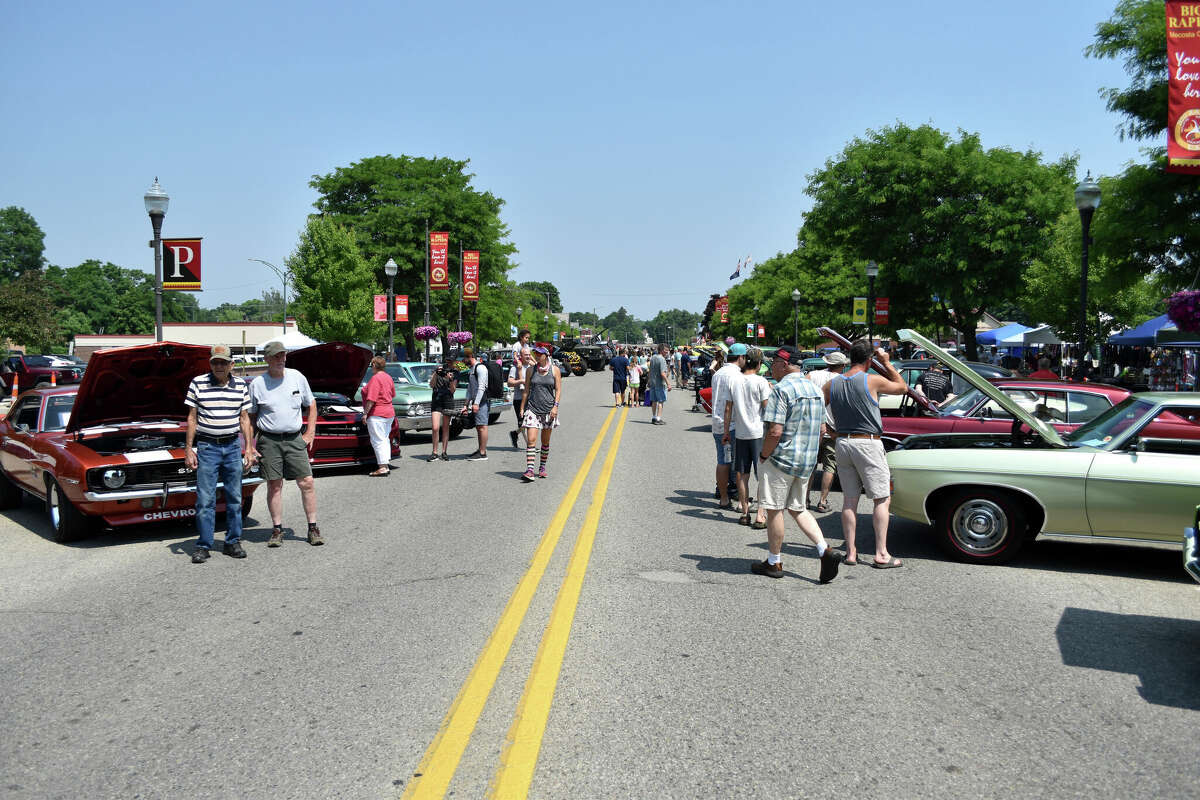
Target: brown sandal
382, 472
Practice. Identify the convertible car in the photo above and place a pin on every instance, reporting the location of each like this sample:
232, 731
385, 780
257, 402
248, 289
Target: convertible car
1129, 476
333, 371
109, 450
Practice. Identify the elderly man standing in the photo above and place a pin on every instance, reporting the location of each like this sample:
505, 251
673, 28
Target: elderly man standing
277, 400
217, 412
793, 416
835, 364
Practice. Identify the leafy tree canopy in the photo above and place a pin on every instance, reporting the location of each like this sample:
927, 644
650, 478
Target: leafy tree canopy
22, 243
27, 313
335, 286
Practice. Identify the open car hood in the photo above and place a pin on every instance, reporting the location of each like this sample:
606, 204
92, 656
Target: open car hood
333, 367
844, 343
131, 384
1042, 428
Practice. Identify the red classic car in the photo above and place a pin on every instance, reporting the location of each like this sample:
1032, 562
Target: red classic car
334, 372
111, 449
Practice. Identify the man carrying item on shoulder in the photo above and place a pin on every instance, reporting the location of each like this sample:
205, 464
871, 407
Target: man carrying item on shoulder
836, 363
218, 409
277, 401
478, 403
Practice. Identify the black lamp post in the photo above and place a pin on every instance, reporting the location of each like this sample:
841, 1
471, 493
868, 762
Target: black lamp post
1087, 200
390, 269
872, 271
795, 317
283, 276
755, 337
156, 206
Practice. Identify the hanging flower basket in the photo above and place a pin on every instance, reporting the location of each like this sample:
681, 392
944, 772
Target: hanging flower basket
459, 337
1183, 308
426, 332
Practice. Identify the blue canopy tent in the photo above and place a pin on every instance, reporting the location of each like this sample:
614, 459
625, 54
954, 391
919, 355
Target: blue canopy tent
993, 337
1142, 335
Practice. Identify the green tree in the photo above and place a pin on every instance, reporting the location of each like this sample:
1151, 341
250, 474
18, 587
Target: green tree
334, 284
537, 291
942, 217
27, 313
115, 300
22, 243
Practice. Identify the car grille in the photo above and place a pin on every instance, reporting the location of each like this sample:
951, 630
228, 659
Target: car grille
344, 453
349, 429
144, 476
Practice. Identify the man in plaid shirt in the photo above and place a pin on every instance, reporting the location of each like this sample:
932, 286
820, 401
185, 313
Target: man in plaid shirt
790, 445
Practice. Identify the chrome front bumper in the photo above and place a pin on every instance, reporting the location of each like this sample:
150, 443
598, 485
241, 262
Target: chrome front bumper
164, 492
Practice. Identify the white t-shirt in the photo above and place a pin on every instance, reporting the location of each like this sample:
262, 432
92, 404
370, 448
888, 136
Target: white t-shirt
721, 380
749, 393
821, 377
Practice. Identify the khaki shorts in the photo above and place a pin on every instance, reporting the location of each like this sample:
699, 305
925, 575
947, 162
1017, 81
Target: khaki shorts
827, 458
862, 468
284, 456
778, 490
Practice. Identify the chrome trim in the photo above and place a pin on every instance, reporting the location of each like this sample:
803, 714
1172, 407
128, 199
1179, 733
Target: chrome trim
140, 494
1117, 540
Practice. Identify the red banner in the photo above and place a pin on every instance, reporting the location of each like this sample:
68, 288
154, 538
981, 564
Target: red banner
401, 308
181, 264
723, 308
439, 274
381, 308
1183, 87
881, 312
470, 276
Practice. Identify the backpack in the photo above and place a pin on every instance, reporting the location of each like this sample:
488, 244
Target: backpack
495, 380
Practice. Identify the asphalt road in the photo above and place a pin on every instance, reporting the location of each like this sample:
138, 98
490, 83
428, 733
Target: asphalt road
662, 667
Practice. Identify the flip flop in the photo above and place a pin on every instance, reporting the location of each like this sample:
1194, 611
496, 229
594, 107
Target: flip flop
744, 519
821, 507
846, 560
725, 507
758, 526
891, 563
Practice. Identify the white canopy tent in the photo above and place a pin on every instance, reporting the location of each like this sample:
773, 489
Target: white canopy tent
293, 340
1039, 335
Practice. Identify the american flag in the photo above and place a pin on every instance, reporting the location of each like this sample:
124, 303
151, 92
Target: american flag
736, 272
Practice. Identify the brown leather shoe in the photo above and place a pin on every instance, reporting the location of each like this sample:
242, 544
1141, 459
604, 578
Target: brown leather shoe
276, 537
314, 536
770, 570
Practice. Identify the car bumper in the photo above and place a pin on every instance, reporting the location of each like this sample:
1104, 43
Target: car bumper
165, 493
137, 507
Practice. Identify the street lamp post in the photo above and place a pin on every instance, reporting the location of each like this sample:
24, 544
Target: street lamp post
156, 206
755, 337
283, 276
872, 271
1087, 200
390, 269
795, 317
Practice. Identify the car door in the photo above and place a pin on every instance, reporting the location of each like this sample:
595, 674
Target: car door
17, 443
1148, 489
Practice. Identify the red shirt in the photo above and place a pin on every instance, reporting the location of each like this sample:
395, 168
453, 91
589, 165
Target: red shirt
380, 391
1043, 375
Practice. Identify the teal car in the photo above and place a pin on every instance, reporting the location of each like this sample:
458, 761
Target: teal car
414, 397
1129, 476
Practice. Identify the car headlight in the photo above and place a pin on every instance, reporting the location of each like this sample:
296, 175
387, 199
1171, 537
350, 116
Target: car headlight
114, 478
418, 409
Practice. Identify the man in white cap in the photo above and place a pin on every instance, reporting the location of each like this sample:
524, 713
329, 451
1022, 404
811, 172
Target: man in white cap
835, 364
277, 400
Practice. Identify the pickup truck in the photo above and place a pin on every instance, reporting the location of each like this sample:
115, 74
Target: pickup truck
33, 371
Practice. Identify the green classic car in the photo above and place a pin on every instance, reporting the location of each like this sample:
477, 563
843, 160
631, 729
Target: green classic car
414, 396
1129, 476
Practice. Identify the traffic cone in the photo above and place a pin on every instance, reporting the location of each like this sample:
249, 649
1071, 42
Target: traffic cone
16, 380
53, 379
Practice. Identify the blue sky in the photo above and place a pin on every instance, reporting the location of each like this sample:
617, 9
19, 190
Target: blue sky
641, 148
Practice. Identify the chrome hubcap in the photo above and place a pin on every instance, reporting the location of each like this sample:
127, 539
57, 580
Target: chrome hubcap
54, 509
979, 525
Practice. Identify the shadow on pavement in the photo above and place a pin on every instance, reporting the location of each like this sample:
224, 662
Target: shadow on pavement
1161, 651
693, 498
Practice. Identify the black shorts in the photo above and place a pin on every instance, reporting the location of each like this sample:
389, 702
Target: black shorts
619, 386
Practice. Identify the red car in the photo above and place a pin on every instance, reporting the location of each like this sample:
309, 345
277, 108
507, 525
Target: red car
111, 449
334, 372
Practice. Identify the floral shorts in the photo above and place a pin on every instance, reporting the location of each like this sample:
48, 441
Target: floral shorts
539, 421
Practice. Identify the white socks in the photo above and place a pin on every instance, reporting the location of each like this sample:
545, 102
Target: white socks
774, 558
821, 548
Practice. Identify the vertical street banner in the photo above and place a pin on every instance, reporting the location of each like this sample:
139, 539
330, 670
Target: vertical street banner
181, 264
749, 328
439, 247
1183, 87
401, 302
859, 315
381, 308
762, 332
401, 308
881, 312
723, 308
470, 275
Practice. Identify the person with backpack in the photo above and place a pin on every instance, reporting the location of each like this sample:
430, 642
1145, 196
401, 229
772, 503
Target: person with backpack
482, 387
539, 409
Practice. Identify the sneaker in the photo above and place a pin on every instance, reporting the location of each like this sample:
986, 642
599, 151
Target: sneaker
314, 536
276, 537
477, 456
829, 564
235, 550
770, 570
542, 473
513, 435
200, 554
432, 458
445, 456
528, 476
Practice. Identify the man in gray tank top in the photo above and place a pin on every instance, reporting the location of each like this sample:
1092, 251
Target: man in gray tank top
853, 401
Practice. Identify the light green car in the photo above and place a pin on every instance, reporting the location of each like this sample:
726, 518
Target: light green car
1130, 476
414, 397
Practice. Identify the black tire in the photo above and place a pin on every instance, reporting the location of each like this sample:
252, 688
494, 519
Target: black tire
67, 523
579, 369
10, 495
981, 526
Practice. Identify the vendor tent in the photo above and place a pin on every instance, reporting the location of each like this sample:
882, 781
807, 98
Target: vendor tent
1171, 336
292, 340
1142, 335
994, 337
1042, 334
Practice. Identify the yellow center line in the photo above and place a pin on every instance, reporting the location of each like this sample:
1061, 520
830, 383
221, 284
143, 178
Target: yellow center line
432, 776
520, 755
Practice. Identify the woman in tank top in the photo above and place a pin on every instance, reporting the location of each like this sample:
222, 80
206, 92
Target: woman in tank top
539, 409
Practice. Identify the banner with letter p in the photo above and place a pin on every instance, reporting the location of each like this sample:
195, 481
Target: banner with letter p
181, 264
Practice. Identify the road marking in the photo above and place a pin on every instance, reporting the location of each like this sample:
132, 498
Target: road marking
520, 755
432, 776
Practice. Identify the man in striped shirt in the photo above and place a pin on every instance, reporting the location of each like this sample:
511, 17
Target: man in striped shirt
218, 410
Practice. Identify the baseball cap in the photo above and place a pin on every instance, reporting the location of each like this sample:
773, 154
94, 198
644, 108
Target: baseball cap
737, 349
540, 349
835, 358
274, 348
787, 354
220, 353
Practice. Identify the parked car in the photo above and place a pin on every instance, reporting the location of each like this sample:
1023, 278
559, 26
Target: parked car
67, 360
110, 450
334, 370
31, 371
414, 398
1131, 475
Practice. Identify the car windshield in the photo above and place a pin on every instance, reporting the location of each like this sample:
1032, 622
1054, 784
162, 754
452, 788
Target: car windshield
58, 411
37, 361
1112, 424
423, 372
962, 404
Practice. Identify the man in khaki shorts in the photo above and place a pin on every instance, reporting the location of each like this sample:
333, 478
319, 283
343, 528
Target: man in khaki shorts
277, 400
853, 400
792, 435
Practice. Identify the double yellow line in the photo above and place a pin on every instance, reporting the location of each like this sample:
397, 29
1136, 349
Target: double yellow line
433, 775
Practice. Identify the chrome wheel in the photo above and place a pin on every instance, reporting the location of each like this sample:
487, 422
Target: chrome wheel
54, 507
979, 526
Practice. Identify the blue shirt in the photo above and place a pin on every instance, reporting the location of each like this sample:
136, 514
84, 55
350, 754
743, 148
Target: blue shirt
620, 368
798, 405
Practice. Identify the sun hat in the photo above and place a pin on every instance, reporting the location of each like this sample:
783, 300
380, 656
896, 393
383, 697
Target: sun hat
540, 349
837, 357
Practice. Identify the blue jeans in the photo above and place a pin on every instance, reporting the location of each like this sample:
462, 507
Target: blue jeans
218, 462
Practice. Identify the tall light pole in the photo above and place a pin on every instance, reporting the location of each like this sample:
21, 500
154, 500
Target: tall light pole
390, 269
795, 317
755, 337
872, 271
156, 206
1087, 200
283, 276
